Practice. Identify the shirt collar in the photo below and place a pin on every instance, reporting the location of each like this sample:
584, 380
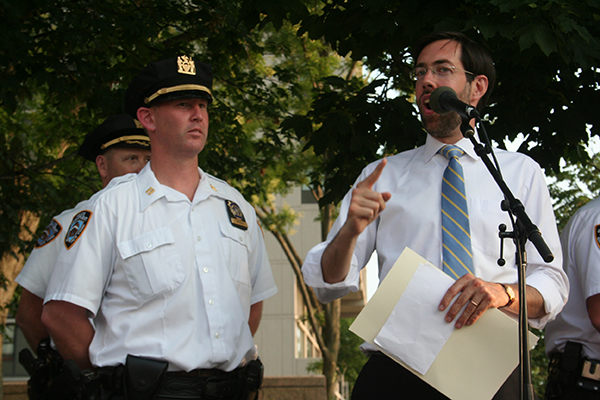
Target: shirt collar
432, 145
151, 189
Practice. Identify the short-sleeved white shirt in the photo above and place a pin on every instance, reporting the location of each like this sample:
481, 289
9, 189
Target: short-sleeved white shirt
36, 272
581, 249
165, 277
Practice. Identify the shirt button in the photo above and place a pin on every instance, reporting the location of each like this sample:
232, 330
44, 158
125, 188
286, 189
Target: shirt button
199, 238
217, 335
211, 302
205, 269
149, 245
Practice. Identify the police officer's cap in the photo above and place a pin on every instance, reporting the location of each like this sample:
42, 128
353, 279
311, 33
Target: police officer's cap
175, 78
116, 131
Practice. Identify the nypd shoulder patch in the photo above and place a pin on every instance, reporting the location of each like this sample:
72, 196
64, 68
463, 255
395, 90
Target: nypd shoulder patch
597, 234
77, 227
49, 234
236, 216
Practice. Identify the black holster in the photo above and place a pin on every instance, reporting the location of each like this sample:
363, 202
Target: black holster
143, 377
253, 377
569, 370
47, 380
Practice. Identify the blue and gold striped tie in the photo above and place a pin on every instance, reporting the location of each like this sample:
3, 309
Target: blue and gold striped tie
456, 234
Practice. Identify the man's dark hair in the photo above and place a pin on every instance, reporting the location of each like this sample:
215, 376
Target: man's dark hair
474, 58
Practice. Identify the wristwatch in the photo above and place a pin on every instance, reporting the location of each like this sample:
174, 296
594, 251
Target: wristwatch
510, 293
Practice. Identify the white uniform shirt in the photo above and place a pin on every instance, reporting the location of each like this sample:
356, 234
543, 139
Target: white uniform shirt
165, 277
581, 249
412, 218
36, 272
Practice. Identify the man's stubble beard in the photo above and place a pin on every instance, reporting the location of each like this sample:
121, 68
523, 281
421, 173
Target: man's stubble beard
442, 125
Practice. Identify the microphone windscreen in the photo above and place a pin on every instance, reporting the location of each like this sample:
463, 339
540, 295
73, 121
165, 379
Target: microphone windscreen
434, 99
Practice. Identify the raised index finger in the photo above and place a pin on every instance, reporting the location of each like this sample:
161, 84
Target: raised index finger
374, 176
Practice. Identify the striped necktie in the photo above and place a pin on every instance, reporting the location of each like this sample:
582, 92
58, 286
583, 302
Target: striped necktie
456, 234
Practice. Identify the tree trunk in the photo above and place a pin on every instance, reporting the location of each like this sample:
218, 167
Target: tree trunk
328, 335
331, 336
10, 266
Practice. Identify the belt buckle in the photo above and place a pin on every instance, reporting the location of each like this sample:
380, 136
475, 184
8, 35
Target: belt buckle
591, 370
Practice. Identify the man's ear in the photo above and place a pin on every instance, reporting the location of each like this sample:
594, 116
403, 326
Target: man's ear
479, 87
146, 118
102, 167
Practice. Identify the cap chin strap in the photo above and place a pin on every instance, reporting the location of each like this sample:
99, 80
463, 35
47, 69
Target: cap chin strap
132, 139
178, 88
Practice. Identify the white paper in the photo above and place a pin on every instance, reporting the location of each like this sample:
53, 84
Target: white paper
475, 361
416, 330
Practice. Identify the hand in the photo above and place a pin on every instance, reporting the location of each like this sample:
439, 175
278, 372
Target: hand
478, 294
366, 204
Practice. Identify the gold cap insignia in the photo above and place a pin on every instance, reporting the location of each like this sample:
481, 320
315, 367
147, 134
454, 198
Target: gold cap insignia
186, 65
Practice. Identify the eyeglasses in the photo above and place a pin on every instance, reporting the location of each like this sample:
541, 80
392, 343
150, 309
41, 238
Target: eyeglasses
440, 70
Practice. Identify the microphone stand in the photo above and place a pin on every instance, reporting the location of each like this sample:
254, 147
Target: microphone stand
523, 230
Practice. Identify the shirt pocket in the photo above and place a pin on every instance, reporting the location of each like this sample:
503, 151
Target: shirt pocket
486, 217
236, 251
151, 263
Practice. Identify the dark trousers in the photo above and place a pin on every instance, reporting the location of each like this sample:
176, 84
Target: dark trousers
573, 393
384, 379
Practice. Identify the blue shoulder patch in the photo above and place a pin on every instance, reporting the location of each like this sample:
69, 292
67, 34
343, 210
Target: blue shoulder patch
49, 234
77, 227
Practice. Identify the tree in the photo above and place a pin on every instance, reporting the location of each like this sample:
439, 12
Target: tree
58, 84
546, 55
547, 61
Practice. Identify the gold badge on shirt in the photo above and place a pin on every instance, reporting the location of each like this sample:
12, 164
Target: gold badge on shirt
236, 216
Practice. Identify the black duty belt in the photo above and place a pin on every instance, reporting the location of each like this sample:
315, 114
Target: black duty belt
570, 368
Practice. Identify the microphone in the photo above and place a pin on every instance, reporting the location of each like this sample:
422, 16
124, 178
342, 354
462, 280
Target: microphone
444, 99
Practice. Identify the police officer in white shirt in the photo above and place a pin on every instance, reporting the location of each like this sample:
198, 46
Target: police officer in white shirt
170, 263
573, 338
118, 146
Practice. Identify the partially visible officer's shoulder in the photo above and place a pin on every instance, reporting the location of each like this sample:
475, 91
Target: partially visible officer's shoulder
114, 187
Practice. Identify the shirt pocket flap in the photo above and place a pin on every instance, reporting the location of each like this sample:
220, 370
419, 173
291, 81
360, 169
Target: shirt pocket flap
237, 235
146, 242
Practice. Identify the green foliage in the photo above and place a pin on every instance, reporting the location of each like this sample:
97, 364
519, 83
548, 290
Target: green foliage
546, 56
539, 365
574, 186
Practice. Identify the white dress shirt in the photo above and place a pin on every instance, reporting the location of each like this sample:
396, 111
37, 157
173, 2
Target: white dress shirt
167, 278
581, 250
412, 218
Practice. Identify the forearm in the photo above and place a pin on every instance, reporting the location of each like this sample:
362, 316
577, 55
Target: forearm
337, 257
71, 331
255, 316
535, 302
593, 308
29, 319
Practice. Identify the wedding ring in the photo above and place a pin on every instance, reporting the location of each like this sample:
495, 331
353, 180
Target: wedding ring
475, 304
